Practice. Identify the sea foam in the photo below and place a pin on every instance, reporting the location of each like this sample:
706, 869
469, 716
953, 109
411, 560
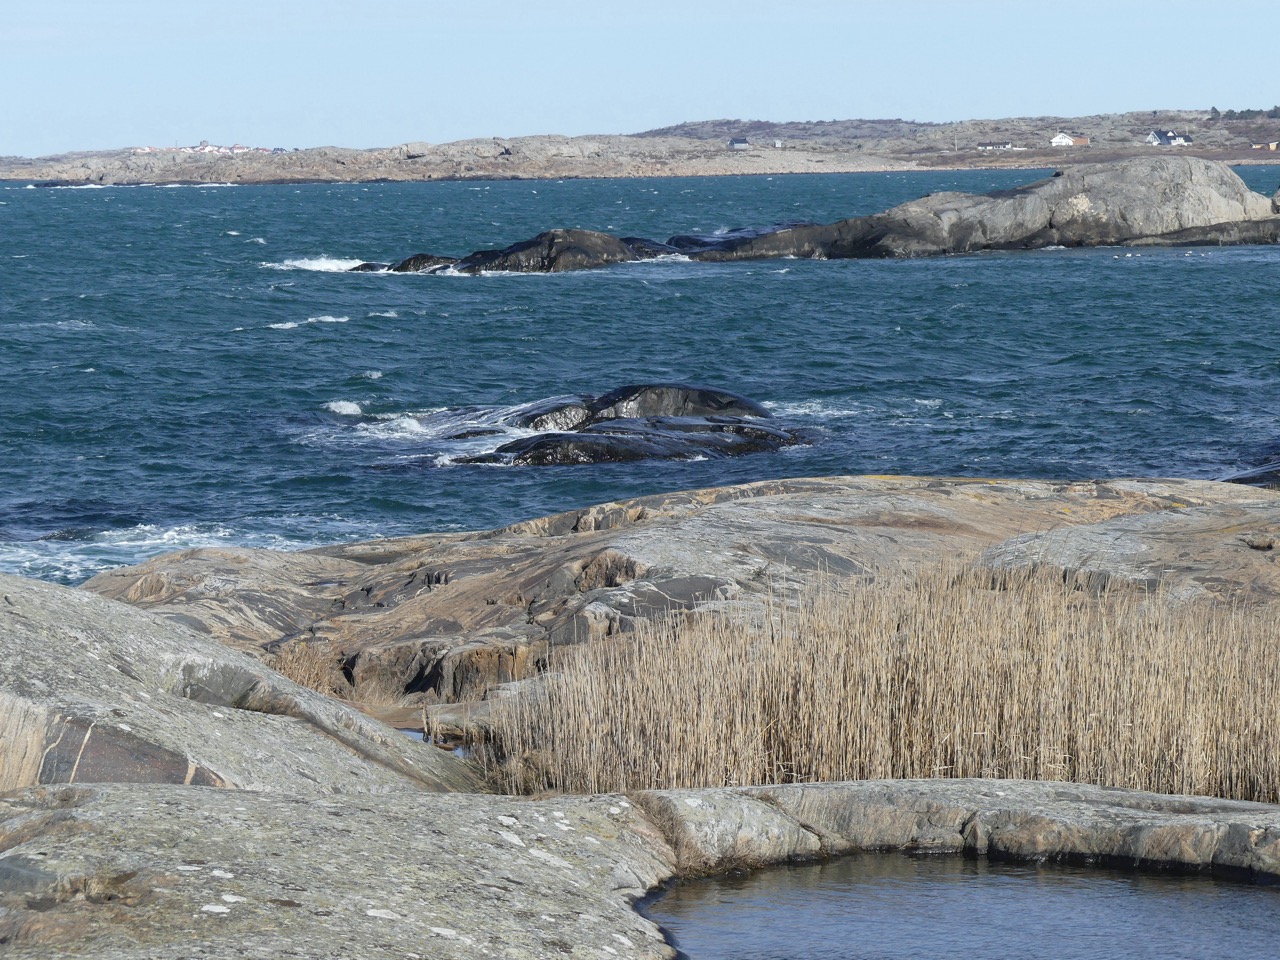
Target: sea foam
346, 408
294, 324
319, 264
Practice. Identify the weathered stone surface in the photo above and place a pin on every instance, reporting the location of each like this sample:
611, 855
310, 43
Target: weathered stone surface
447, 617
96, 691
118, 871
1223, 551
175, 872
712, 830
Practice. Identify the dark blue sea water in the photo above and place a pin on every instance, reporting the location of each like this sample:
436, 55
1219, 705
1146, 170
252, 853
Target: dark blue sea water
188, 365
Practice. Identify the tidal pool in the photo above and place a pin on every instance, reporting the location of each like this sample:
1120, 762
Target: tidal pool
896, 906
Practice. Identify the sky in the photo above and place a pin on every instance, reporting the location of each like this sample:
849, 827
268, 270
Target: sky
99, 74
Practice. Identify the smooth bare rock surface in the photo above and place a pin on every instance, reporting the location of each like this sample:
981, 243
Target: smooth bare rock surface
447, 618
1020, 819
96, 691
119, 871
1226, 551
177, 872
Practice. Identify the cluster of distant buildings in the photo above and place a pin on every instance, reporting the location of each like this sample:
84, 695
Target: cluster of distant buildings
1156, 138
204, 146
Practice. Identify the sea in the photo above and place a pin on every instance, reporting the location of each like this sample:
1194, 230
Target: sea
189, 366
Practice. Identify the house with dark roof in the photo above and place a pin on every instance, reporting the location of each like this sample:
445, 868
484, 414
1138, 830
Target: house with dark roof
739, 143
1168, 138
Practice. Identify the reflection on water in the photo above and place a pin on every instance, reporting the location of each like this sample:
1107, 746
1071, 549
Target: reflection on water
897, 906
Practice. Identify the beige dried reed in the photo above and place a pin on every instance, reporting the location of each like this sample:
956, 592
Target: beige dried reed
955, 672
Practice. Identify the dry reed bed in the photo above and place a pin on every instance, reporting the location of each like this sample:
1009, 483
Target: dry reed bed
952, 673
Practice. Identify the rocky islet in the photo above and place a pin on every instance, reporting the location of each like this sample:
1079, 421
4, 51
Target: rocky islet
1147, 201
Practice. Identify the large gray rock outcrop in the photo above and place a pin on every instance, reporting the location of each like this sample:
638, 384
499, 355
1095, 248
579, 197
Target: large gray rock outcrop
96, 691
1085, 205
449, 618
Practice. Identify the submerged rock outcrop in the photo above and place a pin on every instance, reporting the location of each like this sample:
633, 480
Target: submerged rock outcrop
666, 421
1143, 201
96, 691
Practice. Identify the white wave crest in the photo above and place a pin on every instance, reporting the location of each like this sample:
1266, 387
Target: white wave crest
384, 313
814, 410
372, 374
294, 324
319, 264
346, 408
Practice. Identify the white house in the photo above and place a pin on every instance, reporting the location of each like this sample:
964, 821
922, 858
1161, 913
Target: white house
1168, 138
1069, 140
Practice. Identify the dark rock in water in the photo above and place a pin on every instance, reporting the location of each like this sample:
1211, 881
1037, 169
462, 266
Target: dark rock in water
556, 413
1266, 475
552, 252
1218, 234
550, 449
672, 400
668, 421
369, 267
646, 249
663, 438
685, 243
423, 263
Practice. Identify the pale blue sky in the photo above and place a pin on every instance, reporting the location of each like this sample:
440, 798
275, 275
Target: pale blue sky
87, 74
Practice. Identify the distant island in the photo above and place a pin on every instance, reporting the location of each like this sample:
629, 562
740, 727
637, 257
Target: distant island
703, 148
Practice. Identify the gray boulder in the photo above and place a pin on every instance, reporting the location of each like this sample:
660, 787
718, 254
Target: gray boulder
1086, 205
97, 691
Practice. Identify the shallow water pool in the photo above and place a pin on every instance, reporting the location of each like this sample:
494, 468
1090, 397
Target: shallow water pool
897, 906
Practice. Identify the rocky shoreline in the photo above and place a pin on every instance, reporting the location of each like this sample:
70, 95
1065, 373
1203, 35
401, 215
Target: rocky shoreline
686, 150
163, 793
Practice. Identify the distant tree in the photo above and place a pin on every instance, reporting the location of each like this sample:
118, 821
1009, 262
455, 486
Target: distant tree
1214, 113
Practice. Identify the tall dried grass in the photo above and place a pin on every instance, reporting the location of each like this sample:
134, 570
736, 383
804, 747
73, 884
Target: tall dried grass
954, 673
313, 664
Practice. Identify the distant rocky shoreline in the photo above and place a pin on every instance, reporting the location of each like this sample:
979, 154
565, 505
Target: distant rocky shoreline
712, 148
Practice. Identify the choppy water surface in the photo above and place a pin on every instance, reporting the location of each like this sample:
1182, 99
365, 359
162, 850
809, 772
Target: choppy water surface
188, 366
893, 907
